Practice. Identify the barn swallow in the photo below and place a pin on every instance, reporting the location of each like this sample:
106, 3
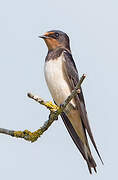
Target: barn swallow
62, 76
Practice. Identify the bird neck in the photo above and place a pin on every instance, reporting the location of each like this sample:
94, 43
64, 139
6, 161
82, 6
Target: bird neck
55, 53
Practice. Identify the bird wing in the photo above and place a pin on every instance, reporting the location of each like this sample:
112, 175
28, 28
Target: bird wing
72, 74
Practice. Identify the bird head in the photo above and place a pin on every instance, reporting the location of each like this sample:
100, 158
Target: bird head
55, 39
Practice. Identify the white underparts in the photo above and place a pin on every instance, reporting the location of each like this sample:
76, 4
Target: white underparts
57, 81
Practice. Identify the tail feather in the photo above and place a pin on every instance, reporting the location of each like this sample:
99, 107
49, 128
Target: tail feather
84, 149
91, 163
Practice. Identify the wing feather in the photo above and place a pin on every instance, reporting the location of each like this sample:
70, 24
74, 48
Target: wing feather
73, 77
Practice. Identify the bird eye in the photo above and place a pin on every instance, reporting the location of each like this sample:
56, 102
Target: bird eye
57, 35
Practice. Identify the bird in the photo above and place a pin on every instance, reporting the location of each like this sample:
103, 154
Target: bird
62, 76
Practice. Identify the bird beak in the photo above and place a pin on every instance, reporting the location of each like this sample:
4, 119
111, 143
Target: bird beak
43, 37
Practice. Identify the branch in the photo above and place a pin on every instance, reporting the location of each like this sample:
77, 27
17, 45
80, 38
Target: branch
55, 111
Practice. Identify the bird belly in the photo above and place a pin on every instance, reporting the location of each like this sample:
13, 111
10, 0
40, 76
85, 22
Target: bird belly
57, 81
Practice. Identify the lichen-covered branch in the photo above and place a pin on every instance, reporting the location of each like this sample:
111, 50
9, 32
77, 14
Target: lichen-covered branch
55, 111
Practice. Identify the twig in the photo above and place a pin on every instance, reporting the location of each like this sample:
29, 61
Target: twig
55, 111
48, 104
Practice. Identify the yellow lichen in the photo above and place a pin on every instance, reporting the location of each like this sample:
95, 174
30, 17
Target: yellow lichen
29, 136
51, 106
18, 134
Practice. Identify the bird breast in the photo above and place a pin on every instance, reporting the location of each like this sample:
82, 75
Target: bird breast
57, 80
